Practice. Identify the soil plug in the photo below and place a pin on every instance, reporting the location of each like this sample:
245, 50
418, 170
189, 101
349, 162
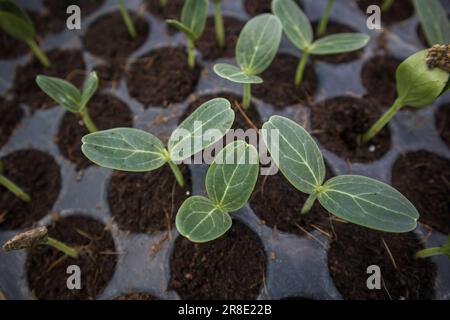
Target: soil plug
11, 186
192, 24
218, 23
357, 199
18, 24
417, 86
433, 21
36, 237
322, 27
255, 49
230, 181
126, 18
69, 97
429, 252
299, 31
130, 149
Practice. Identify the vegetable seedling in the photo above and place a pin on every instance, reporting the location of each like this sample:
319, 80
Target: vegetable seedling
322, 27
433, 21
69, 97
36, 237
429, 252
218, 23
126, 18
230, 181
255, 49
130, 149
299, 31
18, 24
192, 24
418, 85
11, 186
357, 199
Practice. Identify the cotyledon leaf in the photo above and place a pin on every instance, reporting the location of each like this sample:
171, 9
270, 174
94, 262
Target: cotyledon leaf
182, 28
126, 149
368, 202
232, 176
233, 73
89, 88
338, 43
433, 20
295, 153
15, 21
62, 91
205, 126
194, 15
199, 220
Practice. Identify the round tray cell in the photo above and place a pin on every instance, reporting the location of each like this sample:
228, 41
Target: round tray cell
172, 10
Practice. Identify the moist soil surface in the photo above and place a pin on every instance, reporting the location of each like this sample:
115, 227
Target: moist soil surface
424, 178
256, 7
338, 123
46, 267
162, 77
144, 202
66, 64
378, 77
36, 173
208, 45
11, 116
403, 276
172, 10
106, 112
15, 48
442, 122
230, 267
279, 88
136, 296
399, 11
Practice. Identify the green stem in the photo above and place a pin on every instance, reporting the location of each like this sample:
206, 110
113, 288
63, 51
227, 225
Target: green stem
87, 120
309, 203
163, 3
191, 54
218, 21
14, 188
322, 27
425, 253
62, 247
177, 172
387, 4
126, 17
301, 69
385, 118
247, 95
38, 53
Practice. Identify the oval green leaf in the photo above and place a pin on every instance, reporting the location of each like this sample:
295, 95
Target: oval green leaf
199, 220
369, 203
258, 43
232, 176
233, 73
295, 153
433, 20
338, 43
89, 88
124, 149
15, 21
61, 91
194, 15
205, 126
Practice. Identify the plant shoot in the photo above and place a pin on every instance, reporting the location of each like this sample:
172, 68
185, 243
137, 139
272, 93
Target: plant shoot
126, 18
218, 23
11, 186
429, 252
322, 27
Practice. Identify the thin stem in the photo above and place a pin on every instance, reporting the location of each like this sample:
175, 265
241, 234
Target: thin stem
62, 247
87, 120
38, 53
218, 21
126, 17
301, 69
387, 4
177, 172
247, 95
322, 27
309, 203
425, 253
385, 118
191, 54
14, 188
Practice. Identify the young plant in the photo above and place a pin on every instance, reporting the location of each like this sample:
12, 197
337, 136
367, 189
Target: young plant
126, 18
322, 27
429, 252
11, 186
230, 181
129, 149
255, 49
357, 199
69, 97
36, 237
192, 24
433, 21
299, 31
18, 24
218, 23
418, 85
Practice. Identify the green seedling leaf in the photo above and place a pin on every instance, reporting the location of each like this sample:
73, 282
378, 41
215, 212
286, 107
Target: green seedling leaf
338, 43
182, 28
193, 18
299, 157
124, 149
369, 203
200, 220
232, 176
89, 88
15, 21
62, 91
189, 137
234, 74
433, 20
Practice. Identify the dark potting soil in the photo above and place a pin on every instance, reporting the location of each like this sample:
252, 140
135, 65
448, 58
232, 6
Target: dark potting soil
443, 122
162, 77
279, 87
402, 275
106, 112
399, 11
230, 267
208, 45
46, 267
255, 7
11, 116
144, 202
11, 47
36, 173
378, 77
101, 37
66, 64
109, 74
338, 123
136, 296
424, 178
334, 28
172, 10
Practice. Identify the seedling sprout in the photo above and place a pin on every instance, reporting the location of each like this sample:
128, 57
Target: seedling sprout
11, 186
126, 18
218, 23
433, 21
429, 252
322, 27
